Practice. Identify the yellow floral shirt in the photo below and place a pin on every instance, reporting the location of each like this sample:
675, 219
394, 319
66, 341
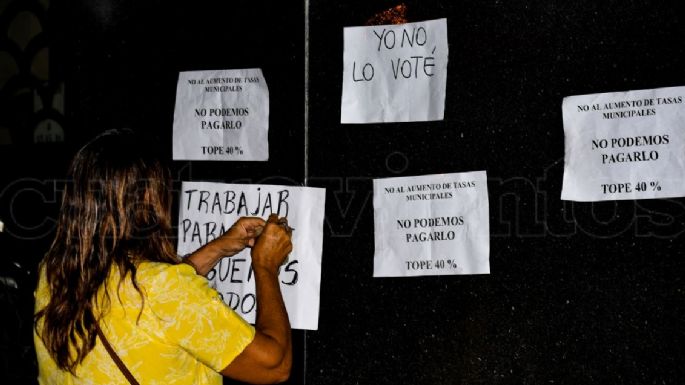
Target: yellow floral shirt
185, 333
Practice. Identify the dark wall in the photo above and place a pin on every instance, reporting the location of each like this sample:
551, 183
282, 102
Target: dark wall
579, 293
119, 60
127, 55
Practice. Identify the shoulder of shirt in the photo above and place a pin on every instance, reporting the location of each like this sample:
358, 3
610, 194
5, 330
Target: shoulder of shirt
154, 271
165, 276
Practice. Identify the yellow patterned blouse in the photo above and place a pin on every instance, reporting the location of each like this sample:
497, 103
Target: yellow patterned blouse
185, 334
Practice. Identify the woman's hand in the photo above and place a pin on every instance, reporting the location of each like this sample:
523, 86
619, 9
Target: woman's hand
241, 235
273, 245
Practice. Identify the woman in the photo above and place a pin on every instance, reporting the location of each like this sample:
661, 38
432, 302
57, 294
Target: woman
112, 279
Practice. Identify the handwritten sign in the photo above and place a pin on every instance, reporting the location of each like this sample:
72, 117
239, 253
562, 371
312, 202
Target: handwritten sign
207, 210
395, 73
624, 145
221, 115
431, 225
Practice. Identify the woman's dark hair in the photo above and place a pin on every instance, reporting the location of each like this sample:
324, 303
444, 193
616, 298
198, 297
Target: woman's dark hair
115, 211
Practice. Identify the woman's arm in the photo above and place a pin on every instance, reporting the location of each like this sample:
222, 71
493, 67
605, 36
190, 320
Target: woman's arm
268, 358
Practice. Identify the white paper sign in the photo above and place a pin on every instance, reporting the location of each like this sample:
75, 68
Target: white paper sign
431, 225
395, 73
209, 209
221, 115
624, 145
